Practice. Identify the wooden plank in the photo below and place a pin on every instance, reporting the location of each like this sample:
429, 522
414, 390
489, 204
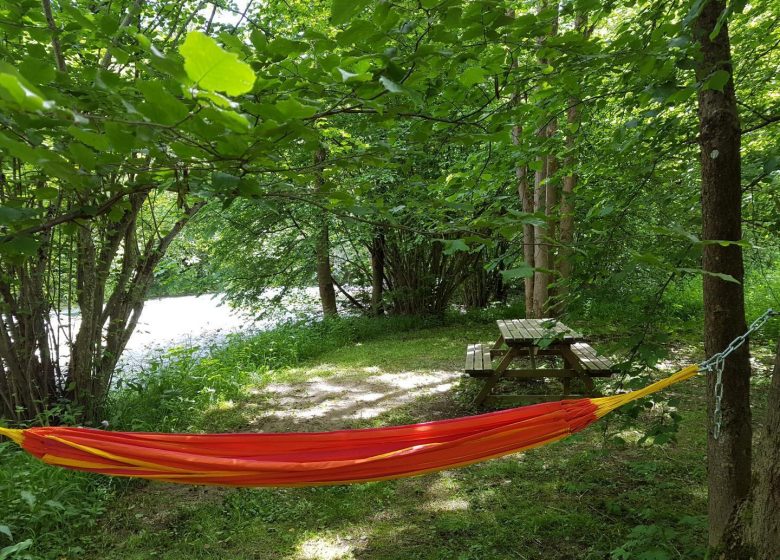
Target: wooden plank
557, 328
536, 329
478, 360
505, 332
587, 351
513, 336
521, 330
470, 358
590, 359
486, 358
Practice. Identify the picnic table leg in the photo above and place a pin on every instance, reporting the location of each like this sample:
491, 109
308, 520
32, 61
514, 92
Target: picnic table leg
496, 349
588, 381
491, 381
571, 363
566, 386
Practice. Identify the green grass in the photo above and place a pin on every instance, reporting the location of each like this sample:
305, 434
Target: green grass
600, 494
586, 497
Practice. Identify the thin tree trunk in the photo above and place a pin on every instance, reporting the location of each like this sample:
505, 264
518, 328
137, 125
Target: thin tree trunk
322, 248
728, 457
552, 213
566, 251
526, 198
377, 273
544, 202
541, 254
55, 36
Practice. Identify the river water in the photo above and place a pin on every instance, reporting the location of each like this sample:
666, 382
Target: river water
205, 321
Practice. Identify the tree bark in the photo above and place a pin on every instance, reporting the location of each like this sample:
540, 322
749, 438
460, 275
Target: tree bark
551, 212
526, 198
753, 532
765, 530
55, 36
541, 254
566, 251
322, 248
545, 197
377, 273
728, 457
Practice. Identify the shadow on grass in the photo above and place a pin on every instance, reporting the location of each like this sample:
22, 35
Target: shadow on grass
578, 499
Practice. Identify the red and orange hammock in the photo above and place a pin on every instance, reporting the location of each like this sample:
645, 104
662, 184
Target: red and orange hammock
310, 459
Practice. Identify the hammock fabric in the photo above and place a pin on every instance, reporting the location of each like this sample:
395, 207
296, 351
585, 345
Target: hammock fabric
319, 458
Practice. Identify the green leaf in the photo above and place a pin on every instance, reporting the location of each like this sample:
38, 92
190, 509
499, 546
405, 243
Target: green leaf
121, 139
13, 89
524, 270
161, 106
286, 47
680, 96
294, 109
472, 76
390, 85
717, 80
342, 10
213, 68
694, 12
93, 139
352, 77
28, 497
20, 246
45, 193
37, 70
724, 277
224, 182
15, 548
454, 245
5, 530
771, 164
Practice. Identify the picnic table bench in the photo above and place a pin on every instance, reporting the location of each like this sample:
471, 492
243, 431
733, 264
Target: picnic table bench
530, 340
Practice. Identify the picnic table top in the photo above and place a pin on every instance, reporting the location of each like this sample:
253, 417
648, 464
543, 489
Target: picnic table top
529, 331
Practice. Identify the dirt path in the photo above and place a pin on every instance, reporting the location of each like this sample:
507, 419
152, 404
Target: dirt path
351, 398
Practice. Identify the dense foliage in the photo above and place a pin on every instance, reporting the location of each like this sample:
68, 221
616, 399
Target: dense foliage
404, 157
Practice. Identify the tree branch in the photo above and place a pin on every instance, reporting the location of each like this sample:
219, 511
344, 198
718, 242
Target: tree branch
55, 41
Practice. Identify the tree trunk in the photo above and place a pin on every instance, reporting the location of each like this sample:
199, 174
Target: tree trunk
765, 529
551, 212
566, 252
526, 198
322, 248
729, 456
753, 532
377, 273
544, 201
541, 254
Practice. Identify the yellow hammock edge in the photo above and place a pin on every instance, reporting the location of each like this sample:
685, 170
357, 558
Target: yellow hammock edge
16, 436
605, 405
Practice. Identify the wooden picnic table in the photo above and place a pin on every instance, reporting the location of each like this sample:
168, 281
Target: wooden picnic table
530, 340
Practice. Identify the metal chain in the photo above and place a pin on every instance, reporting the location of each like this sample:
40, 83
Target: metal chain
716, 363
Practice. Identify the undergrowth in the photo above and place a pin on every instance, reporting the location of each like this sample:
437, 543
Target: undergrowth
54, 513
49, 513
